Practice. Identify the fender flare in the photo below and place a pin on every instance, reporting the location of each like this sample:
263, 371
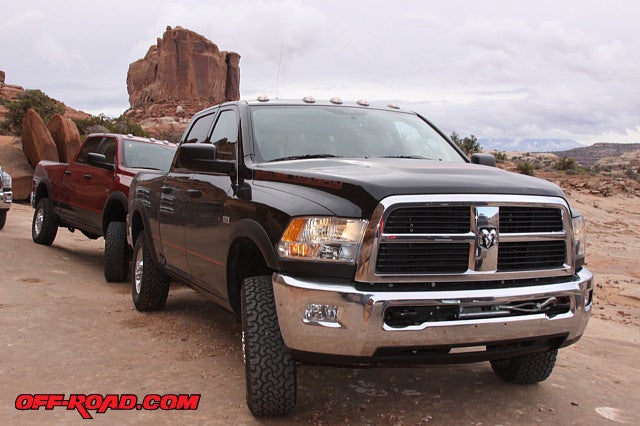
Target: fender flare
116, 197
47, 184
248, 228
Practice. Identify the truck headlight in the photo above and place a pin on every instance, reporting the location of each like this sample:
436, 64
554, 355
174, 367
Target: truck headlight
6, 180
579, 239
322, 239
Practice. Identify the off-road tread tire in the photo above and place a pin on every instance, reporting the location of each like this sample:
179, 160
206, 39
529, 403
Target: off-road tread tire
269, 367
116, 252
155, 282
526, 369
49, 224
3, 218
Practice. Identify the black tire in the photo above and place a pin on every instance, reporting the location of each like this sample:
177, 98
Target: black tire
116, 252
149, 284
526, 369
269, 367
3, 218
44, 226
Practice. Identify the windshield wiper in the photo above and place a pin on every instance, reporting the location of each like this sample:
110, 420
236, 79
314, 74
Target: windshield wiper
304, 157
415, 157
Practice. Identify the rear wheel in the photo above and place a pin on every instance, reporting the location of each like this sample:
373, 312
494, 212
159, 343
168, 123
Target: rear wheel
3, 218
116, 252
269, 368
149, 284
44, 226
526, 369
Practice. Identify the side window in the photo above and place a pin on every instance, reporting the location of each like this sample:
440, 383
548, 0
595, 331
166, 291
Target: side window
225, 135
108, 148
90, 146
200, 129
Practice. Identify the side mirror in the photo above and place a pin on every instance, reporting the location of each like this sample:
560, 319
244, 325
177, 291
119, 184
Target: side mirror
483, 159
99, 160
201, 157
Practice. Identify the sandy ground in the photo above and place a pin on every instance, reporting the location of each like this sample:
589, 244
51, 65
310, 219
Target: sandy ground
66, 330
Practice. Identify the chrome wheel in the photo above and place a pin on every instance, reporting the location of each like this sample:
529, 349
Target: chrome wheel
37, 224
138, 271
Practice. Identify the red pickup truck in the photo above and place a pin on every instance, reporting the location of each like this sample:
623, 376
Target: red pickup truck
90, 193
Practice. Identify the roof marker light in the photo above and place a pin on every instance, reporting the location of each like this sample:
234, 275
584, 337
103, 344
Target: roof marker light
393, 105
336, 100
263, 98
363, 102
309, 99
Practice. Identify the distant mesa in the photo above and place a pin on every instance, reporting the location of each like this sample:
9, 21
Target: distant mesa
528, 144
180, 75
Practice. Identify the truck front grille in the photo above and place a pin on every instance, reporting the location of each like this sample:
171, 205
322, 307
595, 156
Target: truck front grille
466, 238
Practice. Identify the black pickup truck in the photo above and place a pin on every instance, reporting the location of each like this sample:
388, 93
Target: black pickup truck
359, 235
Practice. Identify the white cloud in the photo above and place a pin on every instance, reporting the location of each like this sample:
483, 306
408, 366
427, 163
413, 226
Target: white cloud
494, 68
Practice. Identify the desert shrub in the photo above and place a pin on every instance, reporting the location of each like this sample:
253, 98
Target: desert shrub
17, 109
103, 124
566, 164
469, 144
526, 168
501, 156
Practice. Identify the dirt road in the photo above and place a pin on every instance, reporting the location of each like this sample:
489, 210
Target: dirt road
65, 330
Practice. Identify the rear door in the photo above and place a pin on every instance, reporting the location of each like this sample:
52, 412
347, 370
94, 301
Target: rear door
73, 206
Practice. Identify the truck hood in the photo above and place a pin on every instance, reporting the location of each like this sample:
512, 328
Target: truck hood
366, 182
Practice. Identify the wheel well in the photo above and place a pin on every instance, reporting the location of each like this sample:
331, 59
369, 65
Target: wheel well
136, 226
41, 192
113, 211
244, 260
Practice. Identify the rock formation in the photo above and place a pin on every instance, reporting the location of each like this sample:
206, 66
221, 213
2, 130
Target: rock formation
37, 142
15, 163
65, 135
180, 75
2, 76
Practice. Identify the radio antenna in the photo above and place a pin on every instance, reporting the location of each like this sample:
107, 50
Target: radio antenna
278, 75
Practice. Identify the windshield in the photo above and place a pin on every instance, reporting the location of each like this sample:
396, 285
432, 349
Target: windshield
143, 155
296, 132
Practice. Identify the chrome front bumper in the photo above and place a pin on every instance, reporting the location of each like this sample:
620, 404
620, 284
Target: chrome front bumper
6, 197
360, 328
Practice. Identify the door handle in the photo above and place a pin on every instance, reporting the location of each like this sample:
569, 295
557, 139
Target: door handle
88, 176
166, 189
194, 193
67, 172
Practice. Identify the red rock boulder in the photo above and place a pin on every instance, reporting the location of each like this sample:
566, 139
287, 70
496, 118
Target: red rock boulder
37, 142
65, 135
14, 162
185, 69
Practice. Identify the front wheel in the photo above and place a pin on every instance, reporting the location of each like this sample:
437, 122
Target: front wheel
269, 367
526, 369
150, 284
44, 226
116, 252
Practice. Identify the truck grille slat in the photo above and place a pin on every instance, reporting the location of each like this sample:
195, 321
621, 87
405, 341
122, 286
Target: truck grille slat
530, 219
411, 258
428, 220
531, 255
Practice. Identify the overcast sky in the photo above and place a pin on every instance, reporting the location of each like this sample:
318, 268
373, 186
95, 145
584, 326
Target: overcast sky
537, 69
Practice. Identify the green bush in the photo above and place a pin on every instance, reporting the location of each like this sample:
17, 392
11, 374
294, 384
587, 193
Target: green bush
526, 168
103, 124
17, 109
469, 144
567, 164
501, 156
